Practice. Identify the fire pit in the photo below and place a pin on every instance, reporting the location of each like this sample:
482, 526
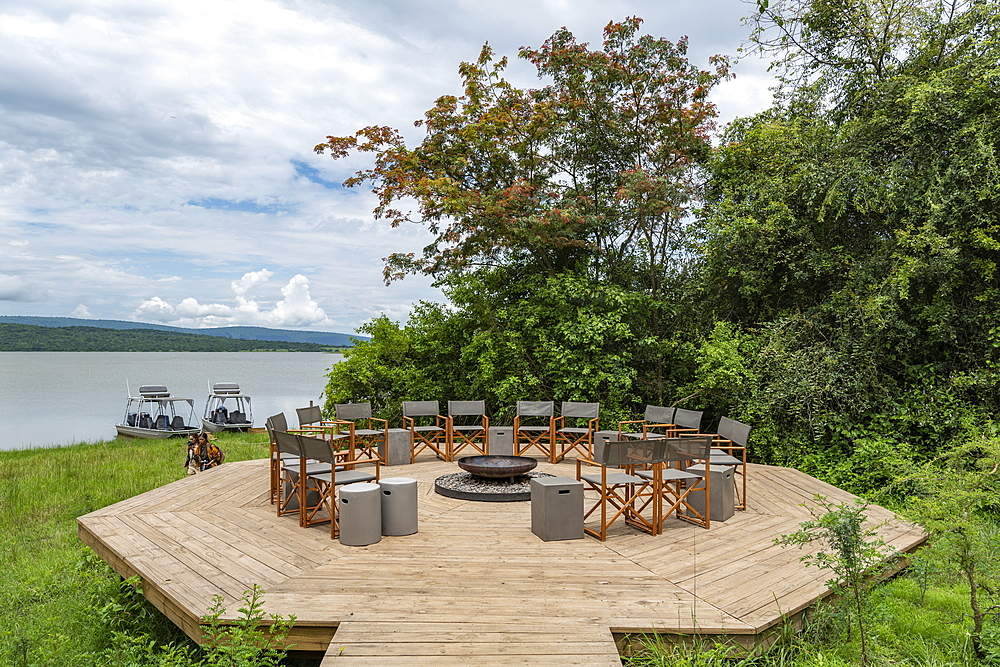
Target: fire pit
495, 467
494, 479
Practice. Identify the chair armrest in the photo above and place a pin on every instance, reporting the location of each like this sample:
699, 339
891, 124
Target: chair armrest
594, 424
558, 420
372, 420
408, 422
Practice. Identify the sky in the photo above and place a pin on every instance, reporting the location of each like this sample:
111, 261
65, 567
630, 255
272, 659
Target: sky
156, 158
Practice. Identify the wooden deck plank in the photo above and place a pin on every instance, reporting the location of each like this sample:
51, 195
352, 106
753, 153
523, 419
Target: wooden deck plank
474, 584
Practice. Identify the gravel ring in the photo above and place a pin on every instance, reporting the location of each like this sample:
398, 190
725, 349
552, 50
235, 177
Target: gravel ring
466, 486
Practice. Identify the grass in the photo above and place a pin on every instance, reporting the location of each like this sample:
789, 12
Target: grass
59, 603
910, 627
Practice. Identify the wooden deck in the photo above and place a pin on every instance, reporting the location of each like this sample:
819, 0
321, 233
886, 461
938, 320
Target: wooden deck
474, 585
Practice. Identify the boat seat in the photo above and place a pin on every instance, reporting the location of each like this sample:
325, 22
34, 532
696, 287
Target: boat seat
178, 423
145, 421
162, 423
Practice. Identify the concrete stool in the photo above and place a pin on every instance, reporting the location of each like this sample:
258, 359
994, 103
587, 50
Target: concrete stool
360, 514
557, 508
501, 441
723, 492
399, 505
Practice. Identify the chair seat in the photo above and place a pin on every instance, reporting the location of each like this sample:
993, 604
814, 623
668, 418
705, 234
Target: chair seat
533, 428
468, 428
346, 477
368, 431
312, 469
614, 479
427, 429
573, 429
722, 459
669, 475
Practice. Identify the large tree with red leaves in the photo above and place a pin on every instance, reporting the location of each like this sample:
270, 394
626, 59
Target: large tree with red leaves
593, 172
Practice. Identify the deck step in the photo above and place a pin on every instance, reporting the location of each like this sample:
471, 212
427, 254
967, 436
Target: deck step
484, 644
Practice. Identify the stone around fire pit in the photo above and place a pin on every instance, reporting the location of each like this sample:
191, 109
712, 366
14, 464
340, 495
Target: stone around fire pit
466, 486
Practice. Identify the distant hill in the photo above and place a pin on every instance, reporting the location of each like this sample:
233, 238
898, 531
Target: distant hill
30, 338
239, 333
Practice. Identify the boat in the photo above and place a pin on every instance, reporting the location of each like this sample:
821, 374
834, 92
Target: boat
220, 416
155, 414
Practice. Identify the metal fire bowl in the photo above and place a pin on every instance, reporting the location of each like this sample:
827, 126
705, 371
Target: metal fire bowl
497, 466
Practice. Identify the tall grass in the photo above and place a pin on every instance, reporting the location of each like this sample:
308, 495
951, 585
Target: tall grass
59, 603
909, 628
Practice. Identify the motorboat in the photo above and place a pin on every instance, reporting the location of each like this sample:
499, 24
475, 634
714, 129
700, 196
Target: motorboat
154, 413
227, 409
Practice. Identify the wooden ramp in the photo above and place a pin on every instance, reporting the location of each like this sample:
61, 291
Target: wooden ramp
474, 585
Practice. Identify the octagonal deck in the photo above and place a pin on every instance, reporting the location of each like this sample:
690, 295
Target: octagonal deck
475, 585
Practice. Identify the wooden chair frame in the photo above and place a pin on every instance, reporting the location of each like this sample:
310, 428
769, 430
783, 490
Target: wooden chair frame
654, 417
672, 485
730, 449
620, 488
575, 438
365, 441
433, 437
542, 438
461, 436
275, 423
686, 422
292, 473
325, 484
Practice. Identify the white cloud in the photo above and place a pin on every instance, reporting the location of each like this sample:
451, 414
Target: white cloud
249, 279
296, 309
81, 311
14, 288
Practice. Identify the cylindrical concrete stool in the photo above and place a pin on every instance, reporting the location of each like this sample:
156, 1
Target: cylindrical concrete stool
360, 514
399, 505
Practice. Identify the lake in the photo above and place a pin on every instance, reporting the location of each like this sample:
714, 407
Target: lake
57, 398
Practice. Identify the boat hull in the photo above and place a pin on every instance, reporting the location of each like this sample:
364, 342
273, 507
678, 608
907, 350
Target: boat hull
151, 433
212, 427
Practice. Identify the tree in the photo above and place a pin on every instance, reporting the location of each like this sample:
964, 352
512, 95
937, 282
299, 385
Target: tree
854, 229
592, 171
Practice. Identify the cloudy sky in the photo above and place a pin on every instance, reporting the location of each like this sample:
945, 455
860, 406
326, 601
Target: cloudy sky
156, 157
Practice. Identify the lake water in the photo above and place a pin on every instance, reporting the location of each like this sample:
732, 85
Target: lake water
57, 398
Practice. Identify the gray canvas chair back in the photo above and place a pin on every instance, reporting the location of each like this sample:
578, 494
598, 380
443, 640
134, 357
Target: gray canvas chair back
421, 408
177, 423
629, 452
466, 408
277, 422
535, 408
687, 418
686, 449
657, 414
310, 415
315, 448
352, 411
580, 410
286, 442
730, 429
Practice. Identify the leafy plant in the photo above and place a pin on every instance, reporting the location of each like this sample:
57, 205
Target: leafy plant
854, 552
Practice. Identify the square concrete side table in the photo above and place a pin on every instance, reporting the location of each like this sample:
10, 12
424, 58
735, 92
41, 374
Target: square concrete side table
557, 508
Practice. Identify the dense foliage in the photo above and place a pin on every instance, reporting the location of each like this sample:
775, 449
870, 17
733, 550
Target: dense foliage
837, 288
30, 338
